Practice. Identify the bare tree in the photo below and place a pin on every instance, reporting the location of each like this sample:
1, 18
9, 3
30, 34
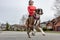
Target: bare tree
57, 8
23, 19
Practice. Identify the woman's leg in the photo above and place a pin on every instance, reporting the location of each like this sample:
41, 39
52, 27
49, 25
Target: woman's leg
28, 27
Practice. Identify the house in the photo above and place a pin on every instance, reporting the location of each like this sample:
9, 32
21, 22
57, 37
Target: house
3, 27
54, 24
16, 27
43, 24
49, 25
57, 24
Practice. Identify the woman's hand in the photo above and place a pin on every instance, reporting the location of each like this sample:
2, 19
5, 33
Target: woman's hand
33, 11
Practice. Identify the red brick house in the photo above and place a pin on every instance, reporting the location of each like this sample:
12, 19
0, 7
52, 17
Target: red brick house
57, 26
54, 24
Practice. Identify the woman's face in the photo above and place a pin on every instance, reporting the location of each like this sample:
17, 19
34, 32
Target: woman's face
31, 2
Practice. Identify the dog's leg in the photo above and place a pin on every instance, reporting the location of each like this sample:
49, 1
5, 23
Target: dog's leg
43, 33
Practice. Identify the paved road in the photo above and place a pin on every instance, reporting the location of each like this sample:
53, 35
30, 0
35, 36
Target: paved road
23, 36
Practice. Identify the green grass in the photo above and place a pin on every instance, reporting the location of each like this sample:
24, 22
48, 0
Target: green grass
53, 32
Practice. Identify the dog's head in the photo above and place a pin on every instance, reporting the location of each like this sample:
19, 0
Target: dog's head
39, 11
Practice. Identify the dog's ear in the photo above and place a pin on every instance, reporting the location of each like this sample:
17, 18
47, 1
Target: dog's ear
38, 9
41, 11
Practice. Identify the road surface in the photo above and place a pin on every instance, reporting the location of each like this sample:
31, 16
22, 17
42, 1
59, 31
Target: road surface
11, 35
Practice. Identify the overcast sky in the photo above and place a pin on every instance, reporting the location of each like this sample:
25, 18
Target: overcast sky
12, 10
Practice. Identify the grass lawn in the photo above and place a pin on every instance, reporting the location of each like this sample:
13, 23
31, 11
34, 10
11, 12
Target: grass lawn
53, 32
